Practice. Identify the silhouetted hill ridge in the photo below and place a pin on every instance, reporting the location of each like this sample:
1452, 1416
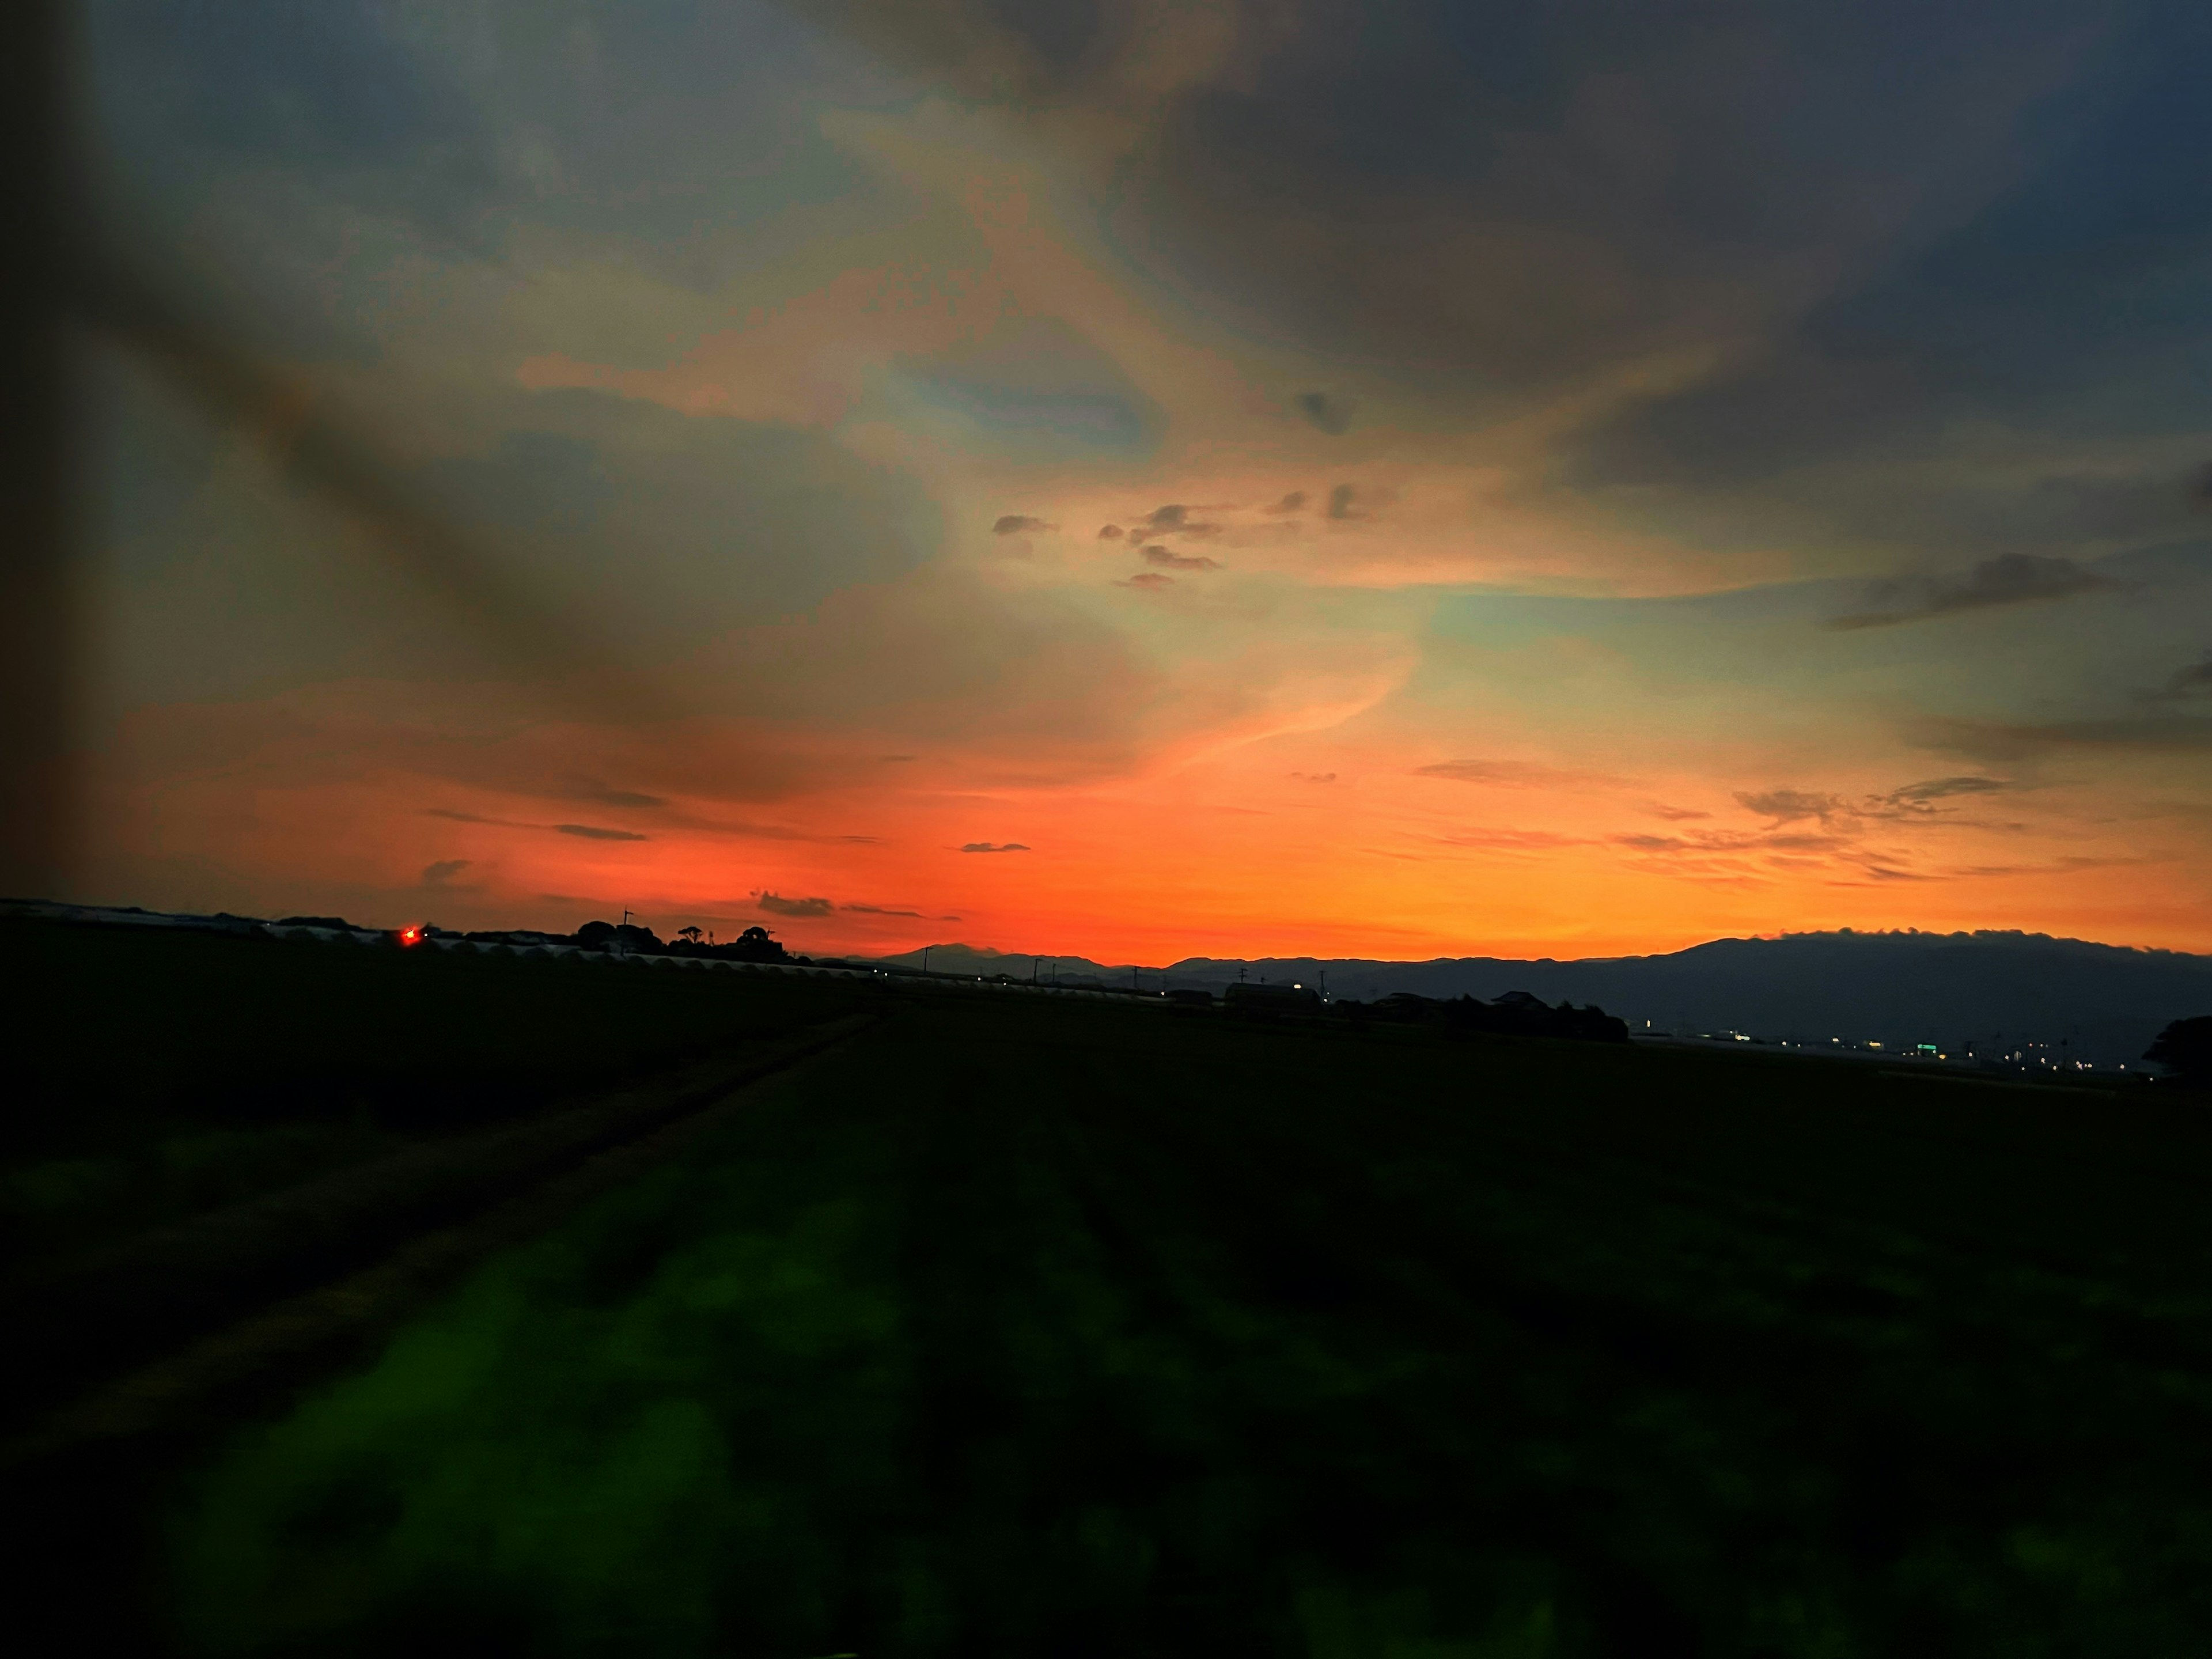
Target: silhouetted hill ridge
2105, 1002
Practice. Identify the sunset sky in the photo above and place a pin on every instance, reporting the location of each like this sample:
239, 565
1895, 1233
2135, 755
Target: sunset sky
1145, 480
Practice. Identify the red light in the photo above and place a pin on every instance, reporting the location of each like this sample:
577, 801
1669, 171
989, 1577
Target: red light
411, 936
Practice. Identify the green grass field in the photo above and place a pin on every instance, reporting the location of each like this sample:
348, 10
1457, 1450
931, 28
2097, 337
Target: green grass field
1020, 1327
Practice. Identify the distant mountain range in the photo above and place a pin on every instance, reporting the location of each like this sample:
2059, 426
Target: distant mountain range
2104, 1003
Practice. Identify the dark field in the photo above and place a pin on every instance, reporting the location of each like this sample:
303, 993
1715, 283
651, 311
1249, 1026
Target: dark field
1015, 1326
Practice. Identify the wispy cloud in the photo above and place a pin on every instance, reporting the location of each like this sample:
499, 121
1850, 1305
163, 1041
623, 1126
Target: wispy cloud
1176, 560
776, 905
994, 847
2007, 578
2000, 741
597, 832
1514, 774
2191, 680
1791, 805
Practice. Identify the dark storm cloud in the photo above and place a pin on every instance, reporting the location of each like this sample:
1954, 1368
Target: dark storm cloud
1326, 411
1175, 560
775, 904
595, 832
2029, 285
2007, 578
994, 847
1018, 524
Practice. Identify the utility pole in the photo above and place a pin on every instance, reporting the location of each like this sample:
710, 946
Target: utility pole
925, 959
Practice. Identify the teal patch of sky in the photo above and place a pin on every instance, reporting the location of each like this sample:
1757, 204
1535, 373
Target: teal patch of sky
1050, 397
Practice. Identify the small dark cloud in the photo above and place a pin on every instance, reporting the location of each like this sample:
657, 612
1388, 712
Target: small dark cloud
2191, 681
1314, 777
994, 847
1173, 561
879, 910
1018, 524
1110, 532
2007, 578
1648, 843
448, 813
591, 789
1938, 789
1791, 805
1919, 799
1170, 517
1329, 411
776, 905
594, 832
438, 874
1344, 502
1674, 814
1293, 502
1149, 578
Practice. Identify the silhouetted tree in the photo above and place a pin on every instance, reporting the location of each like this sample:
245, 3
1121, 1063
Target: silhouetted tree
689, 935
758, 944
2185, 1048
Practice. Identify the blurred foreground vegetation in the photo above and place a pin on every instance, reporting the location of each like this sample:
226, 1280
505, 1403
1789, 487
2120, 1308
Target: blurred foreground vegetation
1019, 1326
161, 1073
